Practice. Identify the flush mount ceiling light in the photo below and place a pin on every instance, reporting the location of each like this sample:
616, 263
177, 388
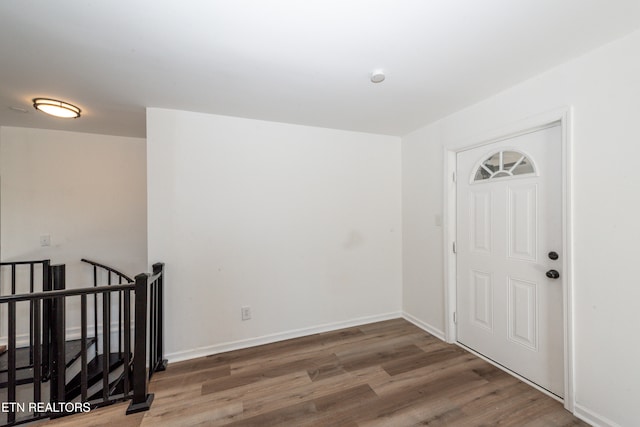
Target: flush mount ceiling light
56, 108
377, 76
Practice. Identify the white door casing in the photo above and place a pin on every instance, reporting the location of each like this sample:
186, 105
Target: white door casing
507, 308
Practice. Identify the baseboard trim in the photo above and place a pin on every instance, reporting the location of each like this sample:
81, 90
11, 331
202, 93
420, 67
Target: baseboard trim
424, 326
592, 418
194, 353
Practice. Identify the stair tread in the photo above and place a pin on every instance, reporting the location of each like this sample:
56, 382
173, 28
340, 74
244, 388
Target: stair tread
72, 352
116, 387
94, 372
24, 371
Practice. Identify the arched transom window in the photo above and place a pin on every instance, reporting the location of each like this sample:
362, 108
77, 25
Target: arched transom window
502, 164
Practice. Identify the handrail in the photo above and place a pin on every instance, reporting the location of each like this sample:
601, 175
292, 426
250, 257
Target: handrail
110, 269
41, 261
67, 292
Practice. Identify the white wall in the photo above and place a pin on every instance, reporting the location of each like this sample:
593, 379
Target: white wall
302, 224
423, 298
603, 88
87, 191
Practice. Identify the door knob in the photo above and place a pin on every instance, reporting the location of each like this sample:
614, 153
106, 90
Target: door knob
553, 274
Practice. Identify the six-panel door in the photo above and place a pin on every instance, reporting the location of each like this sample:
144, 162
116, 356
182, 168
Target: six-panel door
508, 220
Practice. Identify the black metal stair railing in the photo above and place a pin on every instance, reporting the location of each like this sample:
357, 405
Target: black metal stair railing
23, 274
94, 384
32, 266
149, 292
99, 273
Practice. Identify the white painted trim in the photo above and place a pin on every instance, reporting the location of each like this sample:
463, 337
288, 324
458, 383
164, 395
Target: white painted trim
436, 332
449, 228
272, 338
592, 418
567, 261
450, 150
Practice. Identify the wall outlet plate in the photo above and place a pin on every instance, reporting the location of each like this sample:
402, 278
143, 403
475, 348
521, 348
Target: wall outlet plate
45, 240
246, 312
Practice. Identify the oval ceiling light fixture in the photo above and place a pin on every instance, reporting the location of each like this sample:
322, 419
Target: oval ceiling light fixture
56, 108
377, 76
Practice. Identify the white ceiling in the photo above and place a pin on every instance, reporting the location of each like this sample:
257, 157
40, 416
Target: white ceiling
295, 61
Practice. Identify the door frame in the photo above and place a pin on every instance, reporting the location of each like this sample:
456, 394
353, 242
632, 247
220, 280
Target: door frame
450, 151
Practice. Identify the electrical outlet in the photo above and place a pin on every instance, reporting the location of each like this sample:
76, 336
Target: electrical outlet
45, 240
246, 312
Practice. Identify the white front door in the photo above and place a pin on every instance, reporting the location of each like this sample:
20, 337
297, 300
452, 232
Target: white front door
509, 231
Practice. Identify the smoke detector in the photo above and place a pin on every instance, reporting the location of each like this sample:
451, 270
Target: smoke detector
377, 76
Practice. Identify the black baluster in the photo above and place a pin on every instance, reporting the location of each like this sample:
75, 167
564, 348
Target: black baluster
83, 348
58, 365
152, 329
127, 340
11, 372
95, 306
31, 277
37, 354
158, 268
47, 285
120, 318
13, 279
106, 343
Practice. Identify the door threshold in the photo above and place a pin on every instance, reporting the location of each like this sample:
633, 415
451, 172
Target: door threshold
512, 373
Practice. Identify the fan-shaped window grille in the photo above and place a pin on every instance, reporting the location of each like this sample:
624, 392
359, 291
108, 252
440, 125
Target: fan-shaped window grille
504, 164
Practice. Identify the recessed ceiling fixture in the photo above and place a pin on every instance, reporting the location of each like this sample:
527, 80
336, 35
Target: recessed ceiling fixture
377, 76
56, 108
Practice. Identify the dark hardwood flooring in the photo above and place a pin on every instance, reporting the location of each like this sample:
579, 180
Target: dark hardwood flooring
382, 374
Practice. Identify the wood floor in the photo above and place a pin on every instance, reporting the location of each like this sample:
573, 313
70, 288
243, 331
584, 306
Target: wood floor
382, 374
